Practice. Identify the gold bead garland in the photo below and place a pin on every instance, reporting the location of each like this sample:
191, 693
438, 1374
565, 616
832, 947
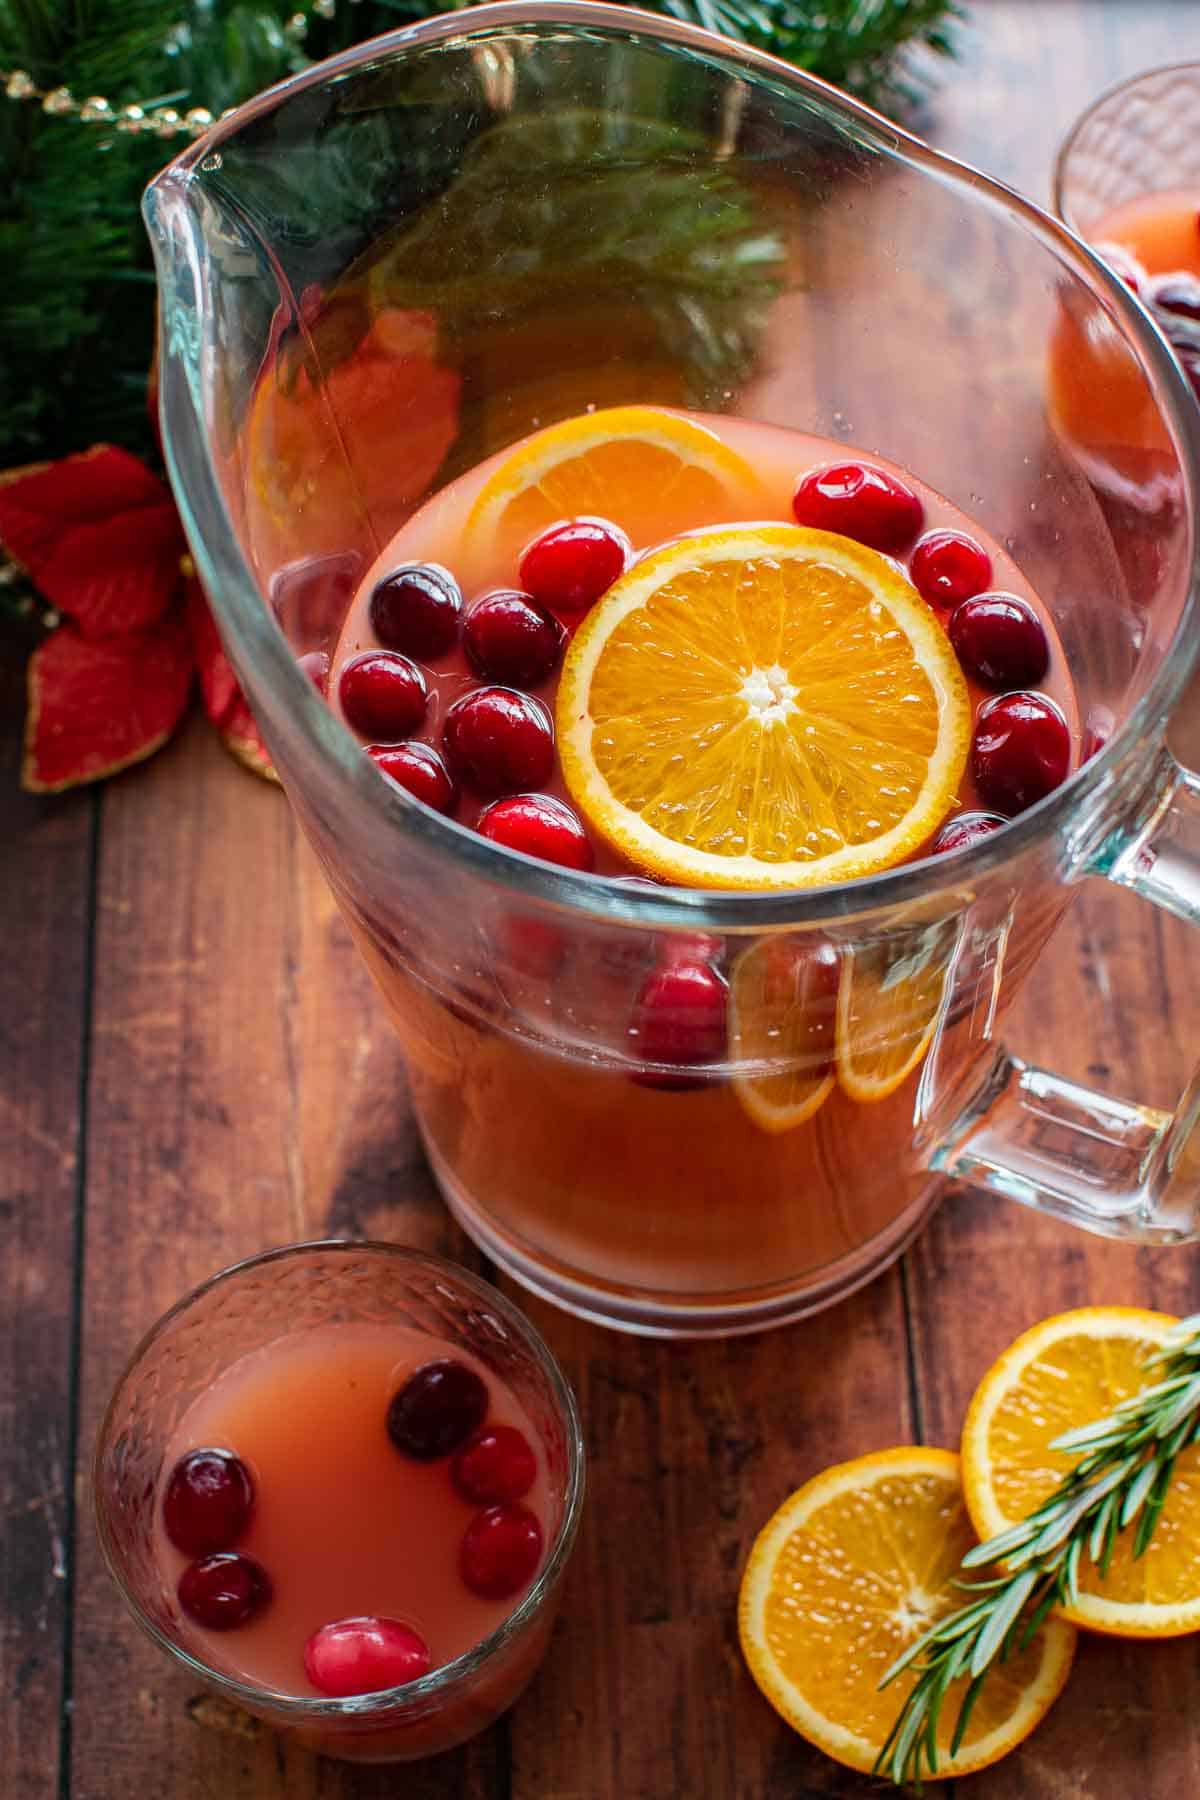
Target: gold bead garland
163, 121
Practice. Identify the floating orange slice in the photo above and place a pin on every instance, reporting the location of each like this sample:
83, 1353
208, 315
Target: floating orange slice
653, 472
849, 1572
888, 1006
762, 707
1072, 1370
782, 1012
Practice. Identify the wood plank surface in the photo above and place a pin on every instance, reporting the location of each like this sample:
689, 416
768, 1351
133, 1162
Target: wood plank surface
244, 1089
45, 898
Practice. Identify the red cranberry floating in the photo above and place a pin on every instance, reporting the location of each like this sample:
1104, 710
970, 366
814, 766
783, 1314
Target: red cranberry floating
509, 637
383, 695
860, 501
949, 566
364, 1655
540, 826
497, 1464
420, 769
679, 1019
437, 1409
224, 1591
416, 608
498, 741
208, 1501
967, 829
1000, 641
572, 563
1020, 753
1098, 728
500, 1551
1177, 294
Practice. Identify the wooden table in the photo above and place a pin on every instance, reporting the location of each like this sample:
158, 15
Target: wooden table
193, 1067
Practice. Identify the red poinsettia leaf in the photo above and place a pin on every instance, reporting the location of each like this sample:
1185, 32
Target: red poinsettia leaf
98, 704
223, 699
100, 538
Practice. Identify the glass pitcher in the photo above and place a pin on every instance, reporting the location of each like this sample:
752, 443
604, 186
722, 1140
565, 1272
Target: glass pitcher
395, 264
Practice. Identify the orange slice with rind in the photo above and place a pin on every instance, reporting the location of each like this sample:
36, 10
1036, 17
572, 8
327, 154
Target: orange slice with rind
762, 707
889, 1004
651, 471
782, 1016
1068, 1371
845, 1577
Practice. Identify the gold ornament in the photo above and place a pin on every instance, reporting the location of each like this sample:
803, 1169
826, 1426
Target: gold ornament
163, 121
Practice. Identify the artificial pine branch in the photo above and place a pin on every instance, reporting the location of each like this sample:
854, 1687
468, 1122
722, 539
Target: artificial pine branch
1121, 1481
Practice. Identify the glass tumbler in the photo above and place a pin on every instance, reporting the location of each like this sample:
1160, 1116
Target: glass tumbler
405, 259
275, 1296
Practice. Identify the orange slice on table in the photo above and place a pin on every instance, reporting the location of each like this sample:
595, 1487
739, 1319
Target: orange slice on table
888, 1007
782, 1013
762, 707
653, 472
1066, 1372
848, 1573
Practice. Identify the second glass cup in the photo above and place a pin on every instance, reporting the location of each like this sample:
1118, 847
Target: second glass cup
365, 1306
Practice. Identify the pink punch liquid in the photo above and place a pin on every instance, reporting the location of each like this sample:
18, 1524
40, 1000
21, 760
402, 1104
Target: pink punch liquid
436, 534
343, 1524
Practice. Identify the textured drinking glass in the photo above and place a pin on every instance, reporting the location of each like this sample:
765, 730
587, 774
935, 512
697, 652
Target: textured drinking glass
1138, 138
407, 258
275, 1296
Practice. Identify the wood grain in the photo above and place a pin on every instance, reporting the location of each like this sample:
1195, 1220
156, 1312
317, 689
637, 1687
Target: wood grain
45, 863
245, 1089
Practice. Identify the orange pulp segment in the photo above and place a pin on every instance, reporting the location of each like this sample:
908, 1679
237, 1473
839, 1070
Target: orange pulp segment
764, 707
1069, 1371
844, 1578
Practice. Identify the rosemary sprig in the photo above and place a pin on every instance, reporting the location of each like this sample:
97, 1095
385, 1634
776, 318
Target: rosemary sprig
1121, 1480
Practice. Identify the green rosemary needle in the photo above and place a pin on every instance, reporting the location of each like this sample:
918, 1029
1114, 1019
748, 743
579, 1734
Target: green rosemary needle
1121, 1480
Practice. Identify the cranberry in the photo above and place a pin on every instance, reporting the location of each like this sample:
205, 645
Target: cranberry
509, 637
499, 741
540, 826
862, 502
417, 609
689, 947
1124, 264
948, 566
224, 1591
501, 1549
1021, 751
382, 695
1098, 728
208, 1501
419, 769
679, 1019
574, 562
964, 830
497, 1464
1000, 640
1177, 294
437, 1409
363, 1656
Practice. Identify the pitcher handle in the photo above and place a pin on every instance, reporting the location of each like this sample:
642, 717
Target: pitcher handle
1110, 1166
